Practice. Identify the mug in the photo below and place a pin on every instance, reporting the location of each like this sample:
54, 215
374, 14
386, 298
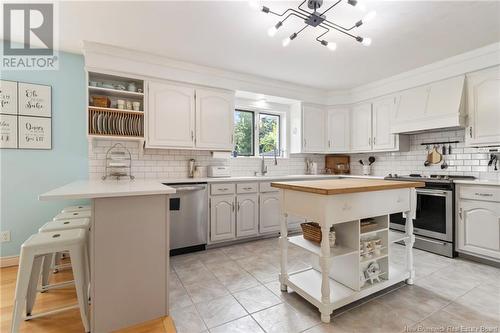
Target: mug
120, 104
367, 170
136, 106
128, 105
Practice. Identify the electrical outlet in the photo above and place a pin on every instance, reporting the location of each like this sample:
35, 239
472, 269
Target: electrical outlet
4, 236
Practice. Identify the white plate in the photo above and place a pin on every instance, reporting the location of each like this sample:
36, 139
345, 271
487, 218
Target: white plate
99, 124
105, 123
94, 123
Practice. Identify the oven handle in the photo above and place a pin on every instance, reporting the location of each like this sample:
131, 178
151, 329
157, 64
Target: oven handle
433, 193
188, 188
430, 240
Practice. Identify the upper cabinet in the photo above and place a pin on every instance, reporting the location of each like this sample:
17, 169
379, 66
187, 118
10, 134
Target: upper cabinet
171, 116
191, 118
214, 119
338, 130
361, 131
314, 129
382, 114
434, 106
483, 94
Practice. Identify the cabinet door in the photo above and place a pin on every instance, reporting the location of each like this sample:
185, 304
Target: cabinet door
170, 116
383, 111
479, 228
361, 127
314, 129
484, 107
270, 212
214, 119
338, 130
222, 213
247, 215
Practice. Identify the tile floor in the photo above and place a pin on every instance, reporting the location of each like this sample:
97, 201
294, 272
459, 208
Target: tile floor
236, 289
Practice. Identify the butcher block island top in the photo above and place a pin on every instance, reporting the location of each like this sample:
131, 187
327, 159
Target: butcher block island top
344, 186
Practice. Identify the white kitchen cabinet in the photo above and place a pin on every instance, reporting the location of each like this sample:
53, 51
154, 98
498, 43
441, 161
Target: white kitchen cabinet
270, 212
479, 228
314, 129
171, 116
361, 127
382, 113
483, 107
338, 130
222, 218
214, 119
247, 215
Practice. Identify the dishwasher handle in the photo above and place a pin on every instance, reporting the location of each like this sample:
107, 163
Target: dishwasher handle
189, 188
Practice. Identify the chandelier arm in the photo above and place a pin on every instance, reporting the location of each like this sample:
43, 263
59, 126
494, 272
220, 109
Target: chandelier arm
340, 30
324, 33
339, 26
293, 13
298, 32
335, 4
303, 10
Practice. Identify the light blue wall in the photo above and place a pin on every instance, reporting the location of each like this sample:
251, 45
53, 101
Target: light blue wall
25, 174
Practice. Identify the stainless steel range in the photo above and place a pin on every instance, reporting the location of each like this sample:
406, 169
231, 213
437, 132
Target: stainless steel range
434, 225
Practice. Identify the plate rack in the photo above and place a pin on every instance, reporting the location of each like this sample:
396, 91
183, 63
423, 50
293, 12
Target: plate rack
115, 123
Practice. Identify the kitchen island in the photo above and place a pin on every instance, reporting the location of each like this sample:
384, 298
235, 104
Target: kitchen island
358, 210
129, 261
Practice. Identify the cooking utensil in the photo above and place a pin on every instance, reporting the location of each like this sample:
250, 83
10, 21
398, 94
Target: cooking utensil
361, 162
427, 163
371, 159
449, 149
443, 150
444, 165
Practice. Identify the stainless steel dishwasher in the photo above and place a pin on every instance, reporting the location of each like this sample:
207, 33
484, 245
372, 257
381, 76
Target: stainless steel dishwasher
188, 218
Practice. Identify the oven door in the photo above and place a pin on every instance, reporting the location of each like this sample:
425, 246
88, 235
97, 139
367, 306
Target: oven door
434, 216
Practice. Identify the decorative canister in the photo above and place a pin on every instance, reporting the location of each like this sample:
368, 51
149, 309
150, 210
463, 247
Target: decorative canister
332, 237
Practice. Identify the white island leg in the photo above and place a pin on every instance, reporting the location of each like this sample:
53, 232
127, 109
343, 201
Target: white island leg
324, 261
284, 252
410, 238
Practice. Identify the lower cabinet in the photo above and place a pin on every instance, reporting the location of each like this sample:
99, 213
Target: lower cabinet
222, 218
479, 228
247, 215
270, 212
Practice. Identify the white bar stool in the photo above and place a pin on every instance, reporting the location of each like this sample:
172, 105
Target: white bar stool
73, 215
60, 225
33, 252
71, 209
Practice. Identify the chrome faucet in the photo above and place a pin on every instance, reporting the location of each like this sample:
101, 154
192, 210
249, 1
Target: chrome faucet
263, 166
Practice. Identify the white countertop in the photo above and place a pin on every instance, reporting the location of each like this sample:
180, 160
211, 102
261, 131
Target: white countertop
256, 178
89, 189
491, 182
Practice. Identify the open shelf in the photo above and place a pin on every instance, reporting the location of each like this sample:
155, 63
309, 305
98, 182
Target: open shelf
115, 92
116, 137
396, 236
382, 254
380, 223
315, 248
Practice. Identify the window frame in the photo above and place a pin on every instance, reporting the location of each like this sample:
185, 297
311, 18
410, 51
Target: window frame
253, 131
266, 113
256, 139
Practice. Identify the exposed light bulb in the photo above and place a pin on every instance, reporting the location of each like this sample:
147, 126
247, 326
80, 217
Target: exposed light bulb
370, 16
331, 46
367, 41
271, 32
255, 5
286, 42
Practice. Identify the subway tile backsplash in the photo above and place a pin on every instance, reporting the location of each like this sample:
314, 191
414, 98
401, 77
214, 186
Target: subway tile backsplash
172, 163
165, 163
462, 160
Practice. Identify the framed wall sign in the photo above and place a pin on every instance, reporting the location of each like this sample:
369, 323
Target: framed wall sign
35, 100
8, 97
8, 131
35, 133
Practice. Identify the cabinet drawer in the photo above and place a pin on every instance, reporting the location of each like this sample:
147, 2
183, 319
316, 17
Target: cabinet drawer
247, 188
485, 193
266, 187
217, 189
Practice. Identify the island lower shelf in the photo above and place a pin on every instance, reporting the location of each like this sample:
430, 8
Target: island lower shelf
307, 283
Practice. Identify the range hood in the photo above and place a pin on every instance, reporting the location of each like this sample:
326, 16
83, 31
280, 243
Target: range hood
440, 105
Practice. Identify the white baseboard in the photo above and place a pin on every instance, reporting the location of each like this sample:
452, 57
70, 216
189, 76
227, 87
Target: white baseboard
9, 261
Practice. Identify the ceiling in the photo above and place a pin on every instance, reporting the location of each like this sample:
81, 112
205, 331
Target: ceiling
229, 35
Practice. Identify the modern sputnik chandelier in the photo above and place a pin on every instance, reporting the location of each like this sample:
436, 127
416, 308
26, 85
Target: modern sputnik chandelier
315, 18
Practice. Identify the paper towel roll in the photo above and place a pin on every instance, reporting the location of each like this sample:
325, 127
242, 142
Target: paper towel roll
222, 155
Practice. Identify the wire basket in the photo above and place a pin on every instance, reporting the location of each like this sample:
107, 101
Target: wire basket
118, 162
